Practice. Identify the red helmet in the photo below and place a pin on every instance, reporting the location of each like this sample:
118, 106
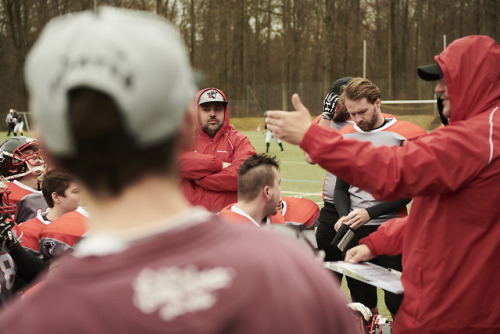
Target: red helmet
15, 162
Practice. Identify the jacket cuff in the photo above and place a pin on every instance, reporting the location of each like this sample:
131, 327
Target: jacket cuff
368, 241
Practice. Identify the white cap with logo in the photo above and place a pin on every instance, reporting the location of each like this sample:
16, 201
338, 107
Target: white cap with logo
211, 95
137, 58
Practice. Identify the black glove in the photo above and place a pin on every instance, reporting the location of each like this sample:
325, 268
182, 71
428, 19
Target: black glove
10, 241
7, 237
444, 120
329, 105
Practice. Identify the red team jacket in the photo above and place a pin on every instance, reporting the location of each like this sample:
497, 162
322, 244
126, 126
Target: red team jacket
450, 240
217, 186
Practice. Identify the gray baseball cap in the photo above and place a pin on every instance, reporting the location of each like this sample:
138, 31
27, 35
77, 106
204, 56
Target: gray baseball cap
137, 58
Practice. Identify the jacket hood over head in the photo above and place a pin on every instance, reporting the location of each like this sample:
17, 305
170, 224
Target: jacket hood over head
226, 124
471, 69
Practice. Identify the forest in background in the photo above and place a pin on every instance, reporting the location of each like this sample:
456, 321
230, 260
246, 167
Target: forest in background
259, 52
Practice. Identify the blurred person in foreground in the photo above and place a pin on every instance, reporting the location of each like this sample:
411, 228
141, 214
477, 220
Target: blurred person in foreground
152, 263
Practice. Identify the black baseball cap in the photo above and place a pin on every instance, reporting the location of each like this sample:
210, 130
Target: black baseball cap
337, 85
430, 72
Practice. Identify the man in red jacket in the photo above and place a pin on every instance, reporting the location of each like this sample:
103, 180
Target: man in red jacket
210, 170
450, 239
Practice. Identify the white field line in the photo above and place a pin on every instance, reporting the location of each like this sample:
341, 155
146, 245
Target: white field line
303, 194
294, 162
302, 181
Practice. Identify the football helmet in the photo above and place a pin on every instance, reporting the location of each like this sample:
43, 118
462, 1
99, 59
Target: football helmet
15, 162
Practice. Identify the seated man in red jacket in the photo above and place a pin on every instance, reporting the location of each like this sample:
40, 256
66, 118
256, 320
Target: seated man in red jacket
209, 171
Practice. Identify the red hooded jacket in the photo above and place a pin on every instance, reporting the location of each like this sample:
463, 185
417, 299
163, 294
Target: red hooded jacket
451, 240
217, 187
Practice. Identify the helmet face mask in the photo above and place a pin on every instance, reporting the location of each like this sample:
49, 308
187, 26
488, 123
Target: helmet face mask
5, 207
16, 162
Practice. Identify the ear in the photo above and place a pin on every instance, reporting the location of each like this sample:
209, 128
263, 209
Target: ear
55, 197
266, 192
377, 103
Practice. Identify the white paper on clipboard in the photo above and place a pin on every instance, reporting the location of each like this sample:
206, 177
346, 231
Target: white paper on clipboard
370, 273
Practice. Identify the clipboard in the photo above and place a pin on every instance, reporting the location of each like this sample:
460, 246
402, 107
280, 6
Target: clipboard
386, 279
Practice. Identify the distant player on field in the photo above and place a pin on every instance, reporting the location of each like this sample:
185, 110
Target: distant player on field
269, 136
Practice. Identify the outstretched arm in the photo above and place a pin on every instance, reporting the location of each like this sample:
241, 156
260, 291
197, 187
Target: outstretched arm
421, 167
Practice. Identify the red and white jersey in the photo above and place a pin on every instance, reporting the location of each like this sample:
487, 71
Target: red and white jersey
61, 235
235, 215
393, 133
29, 206
202, 276
297, 211
31, 232
18, 190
